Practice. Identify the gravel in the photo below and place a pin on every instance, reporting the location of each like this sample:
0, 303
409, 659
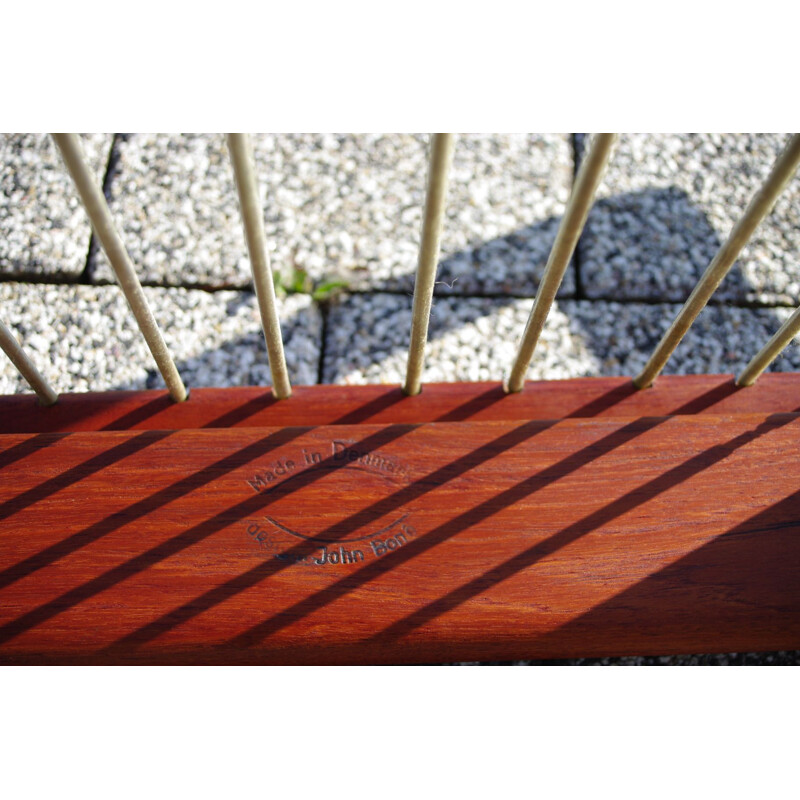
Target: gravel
44, 230
475, 339
84, 338
779, 658
342, 206
667, 203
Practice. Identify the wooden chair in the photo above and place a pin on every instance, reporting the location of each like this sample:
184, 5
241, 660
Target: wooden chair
388, 524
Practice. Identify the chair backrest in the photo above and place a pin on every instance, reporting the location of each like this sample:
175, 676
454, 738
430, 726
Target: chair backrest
419, 522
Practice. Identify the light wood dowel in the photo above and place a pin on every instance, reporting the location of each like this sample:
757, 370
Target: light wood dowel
441, 156
19, 358
770, 351
761, 205
580, 202
96, 207
241, 151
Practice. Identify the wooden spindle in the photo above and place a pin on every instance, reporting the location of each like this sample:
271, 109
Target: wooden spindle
241, 150
580, 202
441, 157
100, 216
770, 351
20, 359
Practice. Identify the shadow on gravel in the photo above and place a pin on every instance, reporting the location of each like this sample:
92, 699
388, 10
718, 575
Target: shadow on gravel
671, 252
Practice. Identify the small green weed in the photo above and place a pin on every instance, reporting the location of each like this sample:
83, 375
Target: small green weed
300, 282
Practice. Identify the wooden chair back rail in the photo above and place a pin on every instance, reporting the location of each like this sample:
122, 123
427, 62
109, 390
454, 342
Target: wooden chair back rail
401, 542
378, 524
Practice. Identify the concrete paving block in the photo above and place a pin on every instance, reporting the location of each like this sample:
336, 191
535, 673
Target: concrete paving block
84, 338
342, 206
475, 339
44, 230
666, 205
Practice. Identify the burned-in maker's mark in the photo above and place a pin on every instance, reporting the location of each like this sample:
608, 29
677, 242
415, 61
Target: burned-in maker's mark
279, 538
342, 454
333, 538
378, 544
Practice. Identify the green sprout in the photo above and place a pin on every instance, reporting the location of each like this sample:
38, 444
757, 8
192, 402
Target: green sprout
300, 282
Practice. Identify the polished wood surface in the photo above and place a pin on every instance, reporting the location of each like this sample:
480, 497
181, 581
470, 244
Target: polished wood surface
384, 404
394, 543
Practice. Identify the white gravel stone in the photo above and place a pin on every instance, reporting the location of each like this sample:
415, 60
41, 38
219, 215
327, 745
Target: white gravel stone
667, 203
43, 227
780, 658
346, 206
475, 339
84, 338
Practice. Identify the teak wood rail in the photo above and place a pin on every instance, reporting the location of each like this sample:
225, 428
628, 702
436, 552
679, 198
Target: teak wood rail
378, 524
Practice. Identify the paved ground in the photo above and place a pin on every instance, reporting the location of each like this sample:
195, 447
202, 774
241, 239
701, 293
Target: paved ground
349, 208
